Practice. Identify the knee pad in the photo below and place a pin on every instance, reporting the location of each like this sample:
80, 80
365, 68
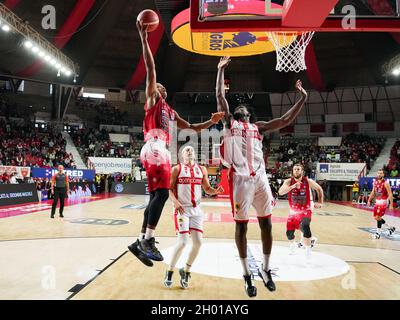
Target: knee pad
290, 234
305, 228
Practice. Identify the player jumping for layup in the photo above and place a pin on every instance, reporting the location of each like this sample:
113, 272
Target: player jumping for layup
242, 152
382, 193
154, 154
301, 205
187, 179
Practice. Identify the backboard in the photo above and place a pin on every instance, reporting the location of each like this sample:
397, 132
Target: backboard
295, 15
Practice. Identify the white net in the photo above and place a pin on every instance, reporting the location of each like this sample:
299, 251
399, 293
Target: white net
290, 49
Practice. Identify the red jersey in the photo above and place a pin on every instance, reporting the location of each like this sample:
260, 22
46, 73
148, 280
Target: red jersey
156, 121
380, 189
381, 193
300, 199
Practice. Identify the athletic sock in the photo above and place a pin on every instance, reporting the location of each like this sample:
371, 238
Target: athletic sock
308, 251
266, 262
187, 268
149, 233
245, 266
141, 236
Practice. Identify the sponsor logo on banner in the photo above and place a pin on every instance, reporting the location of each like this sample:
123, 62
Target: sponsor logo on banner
48, 173
221, 259
394, 182
119, 188
110, 165
324, 168
135, 206
22, 172
340, 171
103, 222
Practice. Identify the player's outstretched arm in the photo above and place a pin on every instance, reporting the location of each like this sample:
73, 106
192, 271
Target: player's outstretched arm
151, 79
183, 124
172, 189
288, 117
286, 187
206, 184
315, 186
222, 103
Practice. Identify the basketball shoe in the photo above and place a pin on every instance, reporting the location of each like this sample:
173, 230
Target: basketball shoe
168, 279
266, 277
134, 248
185, 277
249, 287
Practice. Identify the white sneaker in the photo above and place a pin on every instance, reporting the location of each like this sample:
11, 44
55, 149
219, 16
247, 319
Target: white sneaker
376, 236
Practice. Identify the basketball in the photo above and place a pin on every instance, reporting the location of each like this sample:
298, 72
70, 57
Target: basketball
150, 18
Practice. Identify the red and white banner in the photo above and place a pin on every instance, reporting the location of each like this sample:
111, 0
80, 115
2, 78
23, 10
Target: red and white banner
21, 172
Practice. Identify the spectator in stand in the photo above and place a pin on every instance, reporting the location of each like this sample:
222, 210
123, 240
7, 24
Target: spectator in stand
394, 172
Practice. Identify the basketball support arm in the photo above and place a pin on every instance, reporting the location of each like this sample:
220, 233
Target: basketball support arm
286, 119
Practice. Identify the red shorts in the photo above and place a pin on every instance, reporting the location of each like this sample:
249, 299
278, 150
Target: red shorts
379, 211
158, 177
293, 221
156, 159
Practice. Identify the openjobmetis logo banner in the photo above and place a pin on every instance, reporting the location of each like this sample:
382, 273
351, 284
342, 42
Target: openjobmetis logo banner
22, 172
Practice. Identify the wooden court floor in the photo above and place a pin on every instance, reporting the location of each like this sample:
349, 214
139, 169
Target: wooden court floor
84, 256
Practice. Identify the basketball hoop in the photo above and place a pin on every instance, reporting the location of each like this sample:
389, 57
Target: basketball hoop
290, 49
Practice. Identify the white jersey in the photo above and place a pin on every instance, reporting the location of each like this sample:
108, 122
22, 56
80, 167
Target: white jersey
188, 188
242, 149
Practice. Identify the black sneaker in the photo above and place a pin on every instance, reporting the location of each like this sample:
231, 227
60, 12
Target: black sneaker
134, 248
250, 289
313, 242
168, 279
148, 247
391, 230
61, 216
266, 277
185, 276
51, 217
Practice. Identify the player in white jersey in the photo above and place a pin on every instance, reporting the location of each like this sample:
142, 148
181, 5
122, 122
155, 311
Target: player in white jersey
242, 152
187, 181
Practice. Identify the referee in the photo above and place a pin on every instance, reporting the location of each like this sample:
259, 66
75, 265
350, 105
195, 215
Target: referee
59, 189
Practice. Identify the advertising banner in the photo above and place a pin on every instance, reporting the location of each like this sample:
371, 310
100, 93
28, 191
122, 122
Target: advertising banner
11, 194
340, 171
110, 165
21, 172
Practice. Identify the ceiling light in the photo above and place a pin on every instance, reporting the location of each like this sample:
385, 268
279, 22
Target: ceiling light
6, 28
28, 44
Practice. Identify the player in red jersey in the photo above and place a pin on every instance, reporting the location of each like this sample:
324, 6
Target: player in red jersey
249, 184
382, 193
187, 180
156, 159
301, 205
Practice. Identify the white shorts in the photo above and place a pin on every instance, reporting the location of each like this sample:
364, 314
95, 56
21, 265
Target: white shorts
250, 191
191, 219
155, 152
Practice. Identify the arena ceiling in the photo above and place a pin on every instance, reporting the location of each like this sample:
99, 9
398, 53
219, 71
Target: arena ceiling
107, 47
